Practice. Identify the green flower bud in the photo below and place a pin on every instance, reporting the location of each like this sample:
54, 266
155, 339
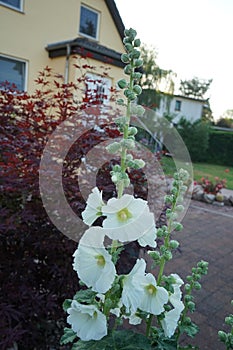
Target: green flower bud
132, 130
137, 89
127, 40
222, 336
128, 143
114, 147
138, 62
139, 163
174, 244
128, 47
154, 255
229, 320
188, 298
187, 287
131, 33
127, 93
189, 278
178, 226
125, 58
128, 69
197, 285
136, 75
122, 83
167, 255
137, 42
191, 306
135, 53
117, 168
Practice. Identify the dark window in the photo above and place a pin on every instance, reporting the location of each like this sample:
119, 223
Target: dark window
89, 22
12, 3
13, 71
178, 105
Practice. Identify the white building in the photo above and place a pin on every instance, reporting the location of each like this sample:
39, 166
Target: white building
178, 106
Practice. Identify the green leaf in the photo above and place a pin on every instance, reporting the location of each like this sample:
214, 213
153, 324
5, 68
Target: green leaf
68, 336
119, 340
191, 329
85, 296
66, 305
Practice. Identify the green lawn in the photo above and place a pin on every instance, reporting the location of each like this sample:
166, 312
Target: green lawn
202, 169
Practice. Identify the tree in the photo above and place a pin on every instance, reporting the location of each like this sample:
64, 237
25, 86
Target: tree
195, 87
154, 77
155, 81
226, 120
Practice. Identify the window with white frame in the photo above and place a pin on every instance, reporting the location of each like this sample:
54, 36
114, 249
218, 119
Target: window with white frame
15, 4
13, 71
97, 89
178, 106
89, 22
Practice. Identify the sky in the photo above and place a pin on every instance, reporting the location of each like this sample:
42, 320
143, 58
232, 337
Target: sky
194, 38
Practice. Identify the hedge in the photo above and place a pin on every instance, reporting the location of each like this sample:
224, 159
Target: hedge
220, 150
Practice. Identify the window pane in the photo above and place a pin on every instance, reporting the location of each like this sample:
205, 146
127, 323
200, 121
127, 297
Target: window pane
12, 71
13, 3
88, 22
97, 89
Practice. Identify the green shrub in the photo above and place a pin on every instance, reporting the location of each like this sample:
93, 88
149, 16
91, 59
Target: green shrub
196, 138
220, 150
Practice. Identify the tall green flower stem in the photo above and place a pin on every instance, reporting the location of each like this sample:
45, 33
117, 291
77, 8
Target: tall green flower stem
131, 90
174, 200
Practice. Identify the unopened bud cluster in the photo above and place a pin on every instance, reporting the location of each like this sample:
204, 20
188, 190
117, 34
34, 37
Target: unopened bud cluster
227, 338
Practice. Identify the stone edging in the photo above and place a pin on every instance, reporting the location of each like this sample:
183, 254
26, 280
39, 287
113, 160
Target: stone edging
218, 199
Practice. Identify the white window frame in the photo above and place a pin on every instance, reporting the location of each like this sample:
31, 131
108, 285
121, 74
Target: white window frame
20, 9
93, 81
26, 68
98, 22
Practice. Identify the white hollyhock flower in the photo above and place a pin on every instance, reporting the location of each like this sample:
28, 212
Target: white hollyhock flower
87, 321
132, 292
149, 238
94, 207
127, 218
175, 297
154, 297
170, 321
92, 261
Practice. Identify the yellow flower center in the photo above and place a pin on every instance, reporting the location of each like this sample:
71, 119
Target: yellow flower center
123, 215
151, 289
100, 260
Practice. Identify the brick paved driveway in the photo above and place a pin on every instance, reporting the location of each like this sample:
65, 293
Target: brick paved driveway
208, 235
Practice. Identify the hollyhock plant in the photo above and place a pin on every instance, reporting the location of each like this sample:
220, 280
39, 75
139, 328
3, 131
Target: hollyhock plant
110, 299
87, 321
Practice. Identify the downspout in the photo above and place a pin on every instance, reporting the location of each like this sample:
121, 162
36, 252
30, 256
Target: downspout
68, 51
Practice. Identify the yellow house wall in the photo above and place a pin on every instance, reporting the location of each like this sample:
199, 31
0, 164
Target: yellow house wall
24, 35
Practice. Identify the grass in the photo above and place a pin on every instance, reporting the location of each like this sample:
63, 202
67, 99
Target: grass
202, 170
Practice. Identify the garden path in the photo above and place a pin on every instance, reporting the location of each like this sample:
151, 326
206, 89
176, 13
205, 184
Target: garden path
208, 235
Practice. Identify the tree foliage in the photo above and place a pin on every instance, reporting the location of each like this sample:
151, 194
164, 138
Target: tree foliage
195, 87
153, 76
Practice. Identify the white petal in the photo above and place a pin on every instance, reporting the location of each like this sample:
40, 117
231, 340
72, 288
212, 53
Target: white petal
131, 230
149, 238
132, 290
93, 208
87, 321
153, 303
170, 322
94, 264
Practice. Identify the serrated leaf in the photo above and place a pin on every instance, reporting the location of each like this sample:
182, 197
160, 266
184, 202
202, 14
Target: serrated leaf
85, 296
191, 330
68, 336
119, 340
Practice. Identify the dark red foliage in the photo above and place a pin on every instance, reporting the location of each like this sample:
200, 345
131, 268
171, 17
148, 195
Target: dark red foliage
36, 273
